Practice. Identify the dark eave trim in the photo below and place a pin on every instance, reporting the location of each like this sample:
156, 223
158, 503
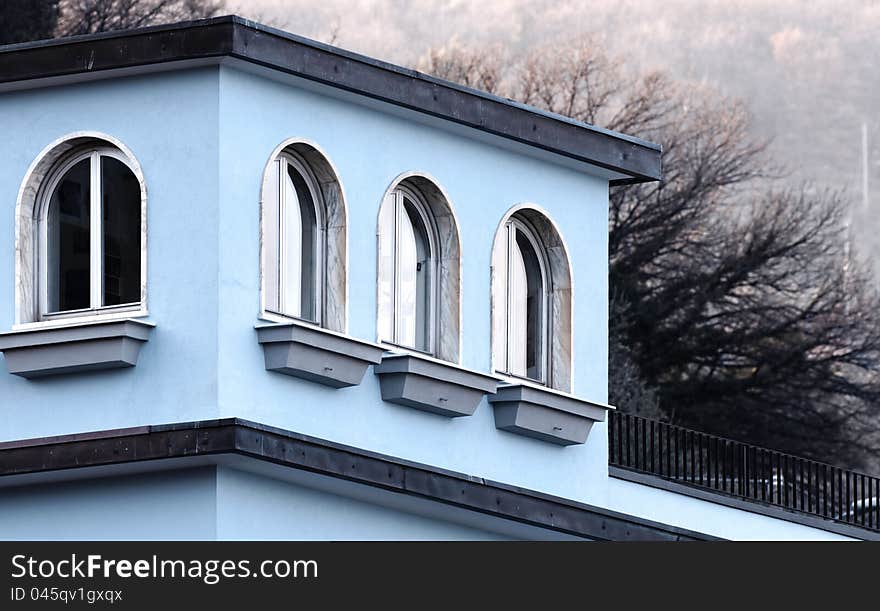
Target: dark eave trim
280, 447
238, 38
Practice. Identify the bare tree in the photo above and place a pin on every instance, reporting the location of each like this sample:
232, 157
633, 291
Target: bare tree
91, 16
736, 308
481, 70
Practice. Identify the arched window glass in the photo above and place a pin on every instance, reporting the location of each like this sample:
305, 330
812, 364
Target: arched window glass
91, 228
520, 321
295, 241
120, 235
407, 272
69, 224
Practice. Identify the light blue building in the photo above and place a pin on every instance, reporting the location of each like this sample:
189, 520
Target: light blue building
252, 286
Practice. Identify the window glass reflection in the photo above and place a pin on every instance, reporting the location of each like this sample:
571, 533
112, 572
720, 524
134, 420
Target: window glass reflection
121, 233
68, 248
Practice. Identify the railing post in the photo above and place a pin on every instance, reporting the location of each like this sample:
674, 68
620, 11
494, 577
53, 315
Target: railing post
635, 441
619, 418
660, 454
786, 479
676, 452
700, 438
762, 471
734, 470
800, 482
848, 499
692, 469
862, 499
810, 487
725, 469
717, 461
668, 450
825, 491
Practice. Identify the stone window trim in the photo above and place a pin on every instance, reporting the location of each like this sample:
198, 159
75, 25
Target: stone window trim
560, 330
448, 345
28, 210
334, 213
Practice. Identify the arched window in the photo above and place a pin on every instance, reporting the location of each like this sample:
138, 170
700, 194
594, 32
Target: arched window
296, 242
521, 316
531, 301
303, 237
90, 230
407, 272
419, 269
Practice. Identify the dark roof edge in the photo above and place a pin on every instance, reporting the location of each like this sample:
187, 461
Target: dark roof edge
296, 451
233, 36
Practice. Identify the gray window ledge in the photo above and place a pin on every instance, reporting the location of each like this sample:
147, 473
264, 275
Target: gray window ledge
316, 354
545, 414
431, 385
74, 348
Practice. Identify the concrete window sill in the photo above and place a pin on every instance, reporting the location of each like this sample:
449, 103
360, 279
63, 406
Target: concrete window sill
74, 348
431, 385
316, 354
545, 414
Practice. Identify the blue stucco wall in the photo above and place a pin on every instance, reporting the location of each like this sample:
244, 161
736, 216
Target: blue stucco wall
369, 149
202, 138
170, 124
207, 503
177, 505
293, 512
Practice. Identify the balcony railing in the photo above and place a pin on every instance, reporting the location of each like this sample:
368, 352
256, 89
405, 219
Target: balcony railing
744, 471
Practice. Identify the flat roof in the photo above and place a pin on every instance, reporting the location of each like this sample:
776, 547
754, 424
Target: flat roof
209, 41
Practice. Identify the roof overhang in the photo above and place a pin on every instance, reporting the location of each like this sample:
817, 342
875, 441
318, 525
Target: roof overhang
211, 41
231, 441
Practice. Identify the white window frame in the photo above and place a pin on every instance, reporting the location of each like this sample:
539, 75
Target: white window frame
502, 361
397, 198
274, 277
96, 258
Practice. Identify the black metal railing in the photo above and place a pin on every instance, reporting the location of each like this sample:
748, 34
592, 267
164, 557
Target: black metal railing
691, 458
